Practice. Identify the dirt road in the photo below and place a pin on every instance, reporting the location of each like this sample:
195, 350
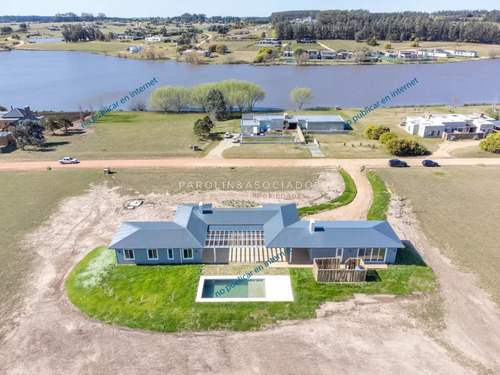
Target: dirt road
367, 335
216, 162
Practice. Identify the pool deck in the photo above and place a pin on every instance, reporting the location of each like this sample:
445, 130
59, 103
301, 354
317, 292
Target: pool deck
278, 289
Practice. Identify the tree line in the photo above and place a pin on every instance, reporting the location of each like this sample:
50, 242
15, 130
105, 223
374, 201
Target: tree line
361, 25
233, 94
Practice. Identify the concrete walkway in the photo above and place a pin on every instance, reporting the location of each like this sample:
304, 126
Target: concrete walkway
216, 153
315, 151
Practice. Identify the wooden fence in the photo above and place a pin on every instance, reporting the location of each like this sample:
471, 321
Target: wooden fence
327, 270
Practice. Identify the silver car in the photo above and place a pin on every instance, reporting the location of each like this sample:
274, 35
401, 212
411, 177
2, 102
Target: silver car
68, 160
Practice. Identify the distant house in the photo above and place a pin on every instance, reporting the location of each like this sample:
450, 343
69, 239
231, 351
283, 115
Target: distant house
156, 38
6, 138
407, 55
203, 234
313, 54
344, 55
270, 42
287, 53
53, 28
134, 49
326, 54
306, 41
15, 116
459, 52
258, 123
445, 125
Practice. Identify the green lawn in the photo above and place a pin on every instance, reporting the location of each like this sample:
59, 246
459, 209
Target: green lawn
162, 298
458, 211
347, 197
381, 197
130, 135
30, 197
473, 152
267, 151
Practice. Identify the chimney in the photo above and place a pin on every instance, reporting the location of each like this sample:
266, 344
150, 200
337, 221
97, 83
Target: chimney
312, 225
200, 207
27, 110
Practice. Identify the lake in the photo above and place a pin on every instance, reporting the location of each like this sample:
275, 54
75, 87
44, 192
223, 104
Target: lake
62, 80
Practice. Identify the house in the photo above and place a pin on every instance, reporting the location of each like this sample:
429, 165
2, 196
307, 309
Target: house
325, 54
407, 54
287, 54
270, 42
134, 49
203, 234
313, 54
6, 138
443, 125
344, 55
53, 28
306, 41
459, 52
257, 123
156, 38
15, 116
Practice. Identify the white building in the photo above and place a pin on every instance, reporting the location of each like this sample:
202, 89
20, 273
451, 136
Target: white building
325, 54
434, 126
156, 38
459, 52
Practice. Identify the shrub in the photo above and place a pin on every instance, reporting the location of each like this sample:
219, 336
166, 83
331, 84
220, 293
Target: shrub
405, 147
375, 131
491, 143
387, 136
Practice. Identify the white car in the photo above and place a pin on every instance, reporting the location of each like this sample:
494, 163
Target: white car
228, 135
68, 160
236, 139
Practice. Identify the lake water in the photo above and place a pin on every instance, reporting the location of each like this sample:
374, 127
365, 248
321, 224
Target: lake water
60, 80
45, 40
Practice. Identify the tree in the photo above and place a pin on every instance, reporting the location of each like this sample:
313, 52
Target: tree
254, 94
52, 125
29, 133
388, 46
169, 98
301, 56
375, 131
372, 41
202, 127
221, 48
387, 136
491, 143
23, 27
199, 95
65, 123
405, 147
216, 104
99, 35
301, 96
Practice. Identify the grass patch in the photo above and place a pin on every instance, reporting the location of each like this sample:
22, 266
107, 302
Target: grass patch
177, 181
267, 151
346, 198
462, 225
381, 197
162, 298
131, 135
30, 198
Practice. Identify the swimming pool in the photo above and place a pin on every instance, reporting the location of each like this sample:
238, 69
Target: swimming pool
256, 289
217, 288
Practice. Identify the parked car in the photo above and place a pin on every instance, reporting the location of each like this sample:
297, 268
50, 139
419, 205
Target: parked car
236, 139
68, 160
228, 135
429, 163
397, 163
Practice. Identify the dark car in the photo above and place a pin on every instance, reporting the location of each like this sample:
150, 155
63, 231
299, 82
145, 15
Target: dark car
429, 163
397, 163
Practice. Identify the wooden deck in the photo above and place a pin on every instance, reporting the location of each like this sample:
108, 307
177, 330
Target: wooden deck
255, 255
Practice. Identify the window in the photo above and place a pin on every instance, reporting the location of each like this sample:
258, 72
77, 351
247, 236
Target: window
432, 133
152, 254
339, 253
128, 254
439, 131
170, 254
187, 253
372, 255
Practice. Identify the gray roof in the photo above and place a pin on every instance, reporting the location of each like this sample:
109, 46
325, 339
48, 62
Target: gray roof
342, 234
280, 222
319, 118
153, 235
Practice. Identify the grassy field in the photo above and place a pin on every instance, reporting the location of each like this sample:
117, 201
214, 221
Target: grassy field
347, 197
130, 135
29, 199
458, 211
381, 198
162, 298
473, 152
176, 181
267, 151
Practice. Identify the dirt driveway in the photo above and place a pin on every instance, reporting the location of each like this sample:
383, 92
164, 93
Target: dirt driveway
367, 335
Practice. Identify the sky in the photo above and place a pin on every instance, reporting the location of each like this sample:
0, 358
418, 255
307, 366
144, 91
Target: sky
170, 8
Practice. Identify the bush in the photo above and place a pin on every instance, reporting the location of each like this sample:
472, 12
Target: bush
387, 136
375, 131
405, 147
491, 143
